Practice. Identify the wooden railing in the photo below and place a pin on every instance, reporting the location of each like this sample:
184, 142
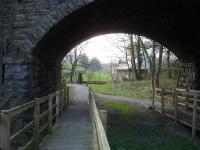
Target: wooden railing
102, 140
180, 98
55, 103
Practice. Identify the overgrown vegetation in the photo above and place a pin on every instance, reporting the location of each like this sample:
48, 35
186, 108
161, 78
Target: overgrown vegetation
133, 89
97, 76
132, 127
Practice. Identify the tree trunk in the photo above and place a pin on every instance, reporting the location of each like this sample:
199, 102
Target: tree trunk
178, 77
128, 66
157, 77
168, 65
99, 76
73, 70
139, 57
147, 55
133, 57
153, 70
71, 74
145, 60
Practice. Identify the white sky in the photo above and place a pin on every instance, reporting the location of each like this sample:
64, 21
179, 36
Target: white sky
102, 48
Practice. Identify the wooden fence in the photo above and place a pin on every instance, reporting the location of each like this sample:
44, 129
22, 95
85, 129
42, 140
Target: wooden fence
55, 102
102, 140
181, 105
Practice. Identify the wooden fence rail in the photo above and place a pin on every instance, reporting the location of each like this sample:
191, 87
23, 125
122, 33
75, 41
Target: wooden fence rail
6, 139
100, 131
184, 102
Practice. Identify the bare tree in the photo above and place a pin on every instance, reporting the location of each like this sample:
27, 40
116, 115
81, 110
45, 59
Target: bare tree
74, 56
122, 43
132, 50
153, 70
146, 53
139, 57
168, 64
157, 77
84, 61
95, 64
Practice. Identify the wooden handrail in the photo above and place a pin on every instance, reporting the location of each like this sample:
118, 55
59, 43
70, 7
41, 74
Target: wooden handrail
6, 115
101, 134
17, 110
192, 93
29, 125
181, 97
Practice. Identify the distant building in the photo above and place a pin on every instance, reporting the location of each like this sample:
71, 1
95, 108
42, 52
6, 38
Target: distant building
122, 72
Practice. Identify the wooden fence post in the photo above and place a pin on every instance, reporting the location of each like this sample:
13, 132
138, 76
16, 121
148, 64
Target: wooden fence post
89, 97
162, 100
186, 99
50, 107
175, 100
103, 116
57, 105
153, 98
36, 123
194, 119
61, 100
67, 95
5, 131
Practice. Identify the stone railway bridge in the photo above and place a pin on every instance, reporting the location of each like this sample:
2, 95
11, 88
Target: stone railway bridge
35, 35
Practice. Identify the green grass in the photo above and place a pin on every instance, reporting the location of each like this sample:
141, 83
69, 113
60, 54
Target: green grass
98, 76
132, 127
132, 89
69, 66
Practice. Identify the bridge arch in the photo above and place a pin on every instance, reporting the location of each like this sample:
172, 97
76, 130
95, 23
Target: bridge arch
166, 22
32, 63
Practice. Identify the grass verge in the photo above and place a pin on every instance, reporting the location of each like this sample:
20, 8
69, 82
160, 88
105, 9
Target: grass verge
132, 89
132, 127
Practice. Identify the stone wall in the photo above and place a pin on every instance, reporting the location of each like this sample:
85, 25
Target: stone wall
23, 23
57, 24
22, 77
49, 78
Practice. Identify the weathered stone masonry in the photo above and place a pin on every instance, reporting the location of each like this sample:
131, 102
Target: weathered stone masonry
37, 34
22, 24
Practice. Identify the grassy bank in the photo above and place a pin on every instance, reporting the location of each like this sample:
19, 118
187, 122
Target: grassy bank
97, 76
131, 127
132, 89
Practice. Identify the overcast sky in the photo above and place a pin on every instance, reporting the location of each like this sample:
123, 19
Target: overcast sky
102, 48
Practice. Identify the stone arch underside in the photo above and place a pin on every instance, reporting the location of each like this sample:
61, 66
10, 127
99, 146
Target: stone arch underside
34, 51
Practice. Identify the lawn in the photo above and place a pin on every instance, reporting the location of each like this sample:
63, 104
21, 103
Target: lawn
132, 89
132, 127
97, 76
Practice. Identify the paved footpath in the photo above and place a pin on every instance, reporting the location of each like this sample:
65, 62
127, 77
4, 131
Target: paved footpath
140, 102
73, 131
